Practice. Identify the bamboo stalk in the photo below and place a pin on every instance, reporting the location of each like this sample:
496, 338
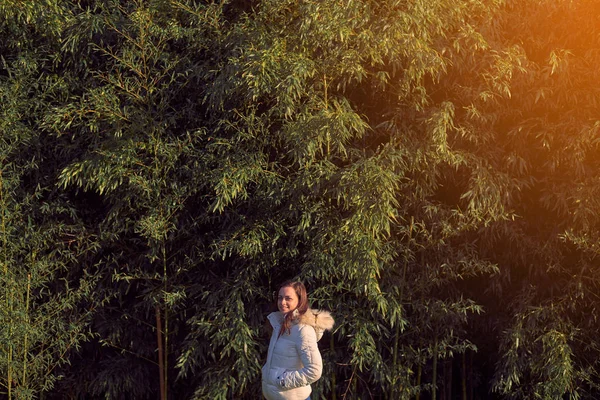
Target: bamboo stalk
8, 288
333, 382
464, 375
166, 349
395, 362
328, 134
434, 372
161, 365
419, 371
4, 239
448, 374
470, 376
25, 344
325, 91
393, 389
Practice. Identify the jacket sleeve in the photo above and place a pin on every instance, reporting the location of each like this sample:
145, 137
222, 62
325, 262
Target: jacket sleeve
311, 360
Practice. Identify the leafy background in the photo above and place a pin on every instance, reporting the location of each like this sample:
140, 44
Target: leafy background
428, 168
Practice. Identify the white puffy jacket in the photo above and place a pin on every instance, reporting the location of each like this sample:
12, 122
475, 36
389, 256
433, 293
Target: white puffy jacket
294, 360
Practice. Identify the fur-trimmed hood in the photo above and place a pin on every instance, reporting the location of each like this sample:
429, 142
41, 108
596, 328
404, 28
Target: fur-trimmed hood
320, 320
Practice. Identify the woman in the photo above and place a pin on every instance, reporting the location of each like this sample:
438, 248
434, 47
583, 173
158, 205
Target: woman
293, 360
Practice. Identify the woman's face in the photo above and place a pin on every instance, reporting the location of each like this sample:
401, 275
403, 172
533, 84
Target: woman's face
287, 300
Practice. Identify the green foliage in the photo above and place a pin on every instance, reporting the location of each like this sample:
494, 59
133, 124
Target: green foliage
46, 278
427, 168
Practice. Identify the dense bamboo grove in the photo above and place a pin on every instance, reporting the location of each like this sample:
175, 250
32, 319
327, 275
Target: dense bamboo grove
429, 168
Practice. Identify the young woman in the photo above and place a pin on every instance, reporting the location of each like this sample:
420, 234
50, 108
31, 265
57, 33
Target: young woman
294, 360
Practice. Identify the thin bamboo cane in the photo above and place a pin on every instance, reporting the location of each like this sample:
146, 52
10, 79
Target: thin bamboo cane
25, 344
333, 382
434, 372
166, 335
8, 288
464, 375
161, 365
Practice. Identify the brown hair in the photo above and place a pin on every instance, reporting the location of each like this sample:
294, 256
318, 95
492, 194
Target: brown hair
302, 305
